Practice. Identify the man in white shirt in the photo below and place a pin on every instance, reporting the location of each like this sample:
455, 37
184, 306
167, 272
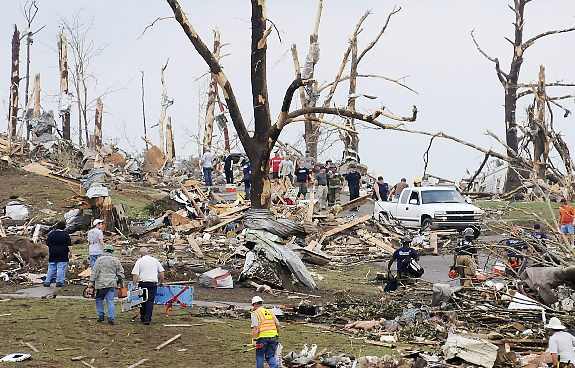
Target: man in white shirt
147, 274
561, 344
287, 169
207, 162
95, 242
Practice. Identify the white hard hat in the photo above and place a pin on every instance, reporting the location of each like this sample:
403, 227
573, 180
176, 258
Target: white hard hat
257, 299
97, 221
555, 324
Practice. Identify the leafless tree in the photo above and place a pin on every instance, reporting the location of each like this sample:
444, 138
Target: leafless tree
83, 50
259, 145
509, 80
30, 10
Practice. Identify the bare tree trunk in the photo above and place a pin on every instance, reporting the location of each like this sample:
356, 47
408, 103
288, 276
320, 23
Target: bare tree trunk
98, 124
212, 97
14, 83
351, 140
79, 104
144, 113
64, 85
37, 90
85, 107
539, 127
171, 148
163, 112
26, 98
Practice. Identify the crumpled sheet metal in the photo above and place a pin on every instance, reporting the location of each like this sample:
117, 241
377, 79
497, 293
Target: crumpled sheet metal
96, 176
262, 219
267, 243
544, 280
476, 351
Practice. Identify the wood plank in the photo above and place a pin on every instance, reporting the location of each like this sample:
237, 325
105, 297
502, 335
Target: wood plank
195, 246
353, 203
339, 229
168, 342
224, 223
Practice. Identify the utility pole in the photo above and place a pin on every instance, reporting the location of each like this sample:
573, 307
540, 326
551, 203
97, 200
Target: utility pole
144, 113
64, 89
14, 83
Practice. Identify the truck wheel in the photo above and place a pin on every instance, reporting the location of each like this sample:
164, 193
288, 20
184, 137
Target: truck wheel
426, 223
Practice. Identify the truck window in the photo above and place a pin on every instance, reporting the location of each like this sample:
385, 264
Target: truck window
404, 195
442, 196
414, 195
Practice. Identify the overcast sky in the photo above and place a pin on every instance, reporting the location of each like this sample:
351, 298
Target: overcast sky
428, 41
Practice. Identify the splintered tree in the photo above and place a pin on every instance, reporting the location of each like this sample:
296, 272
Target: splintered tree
259, 145
64, 85
510, 82
14, 84
310, 95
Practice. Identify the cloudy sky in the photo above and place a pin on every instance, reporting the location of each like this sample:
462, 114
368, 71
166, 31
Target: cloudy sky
428, 43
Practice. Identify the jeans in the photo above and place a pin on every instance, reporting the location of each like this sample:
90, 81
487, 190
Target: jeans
567, 229
56, 270
147, 308
207, 176
266, 352
93, 259
107, 294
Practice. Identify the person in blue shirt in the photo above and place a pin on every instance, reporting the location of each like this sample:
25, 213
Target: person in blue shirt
405, 257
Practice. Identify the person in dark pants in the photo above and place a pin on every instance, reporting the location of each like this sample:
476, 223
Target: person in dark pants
229, 160
404, 257
353, 178
302, 178
147, 274
58, 242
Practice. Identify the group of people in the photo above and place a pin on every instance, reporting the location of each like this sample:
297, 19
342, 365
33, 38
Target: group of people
106, 271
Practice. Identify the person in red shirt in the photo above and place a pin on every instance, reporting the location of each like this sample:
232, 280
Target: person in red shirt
275, 163
566, 220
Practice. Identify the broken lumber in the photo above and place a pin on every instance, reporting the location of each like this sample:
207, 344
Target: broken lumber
138, 363
351, 204
32, 347
339, 229
224, 223
195, 247
168, 342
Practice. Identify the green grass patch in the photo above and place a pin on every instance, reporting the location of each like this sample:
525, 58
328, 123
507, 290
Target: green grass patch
71, 324
524, 213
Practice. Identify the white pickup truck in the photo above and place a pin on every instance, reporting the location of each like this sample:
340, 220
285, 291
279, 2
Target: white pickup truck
435, 207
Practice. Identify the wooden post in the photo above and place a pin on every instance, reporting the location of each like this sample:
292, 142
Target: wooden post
14, 83
98, 124
64, 86
170, 149
37, 90
144, 113
212, 96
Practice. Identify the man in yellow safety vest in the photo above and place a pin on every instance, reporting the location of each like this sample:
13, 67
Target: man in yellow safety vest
265, 327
